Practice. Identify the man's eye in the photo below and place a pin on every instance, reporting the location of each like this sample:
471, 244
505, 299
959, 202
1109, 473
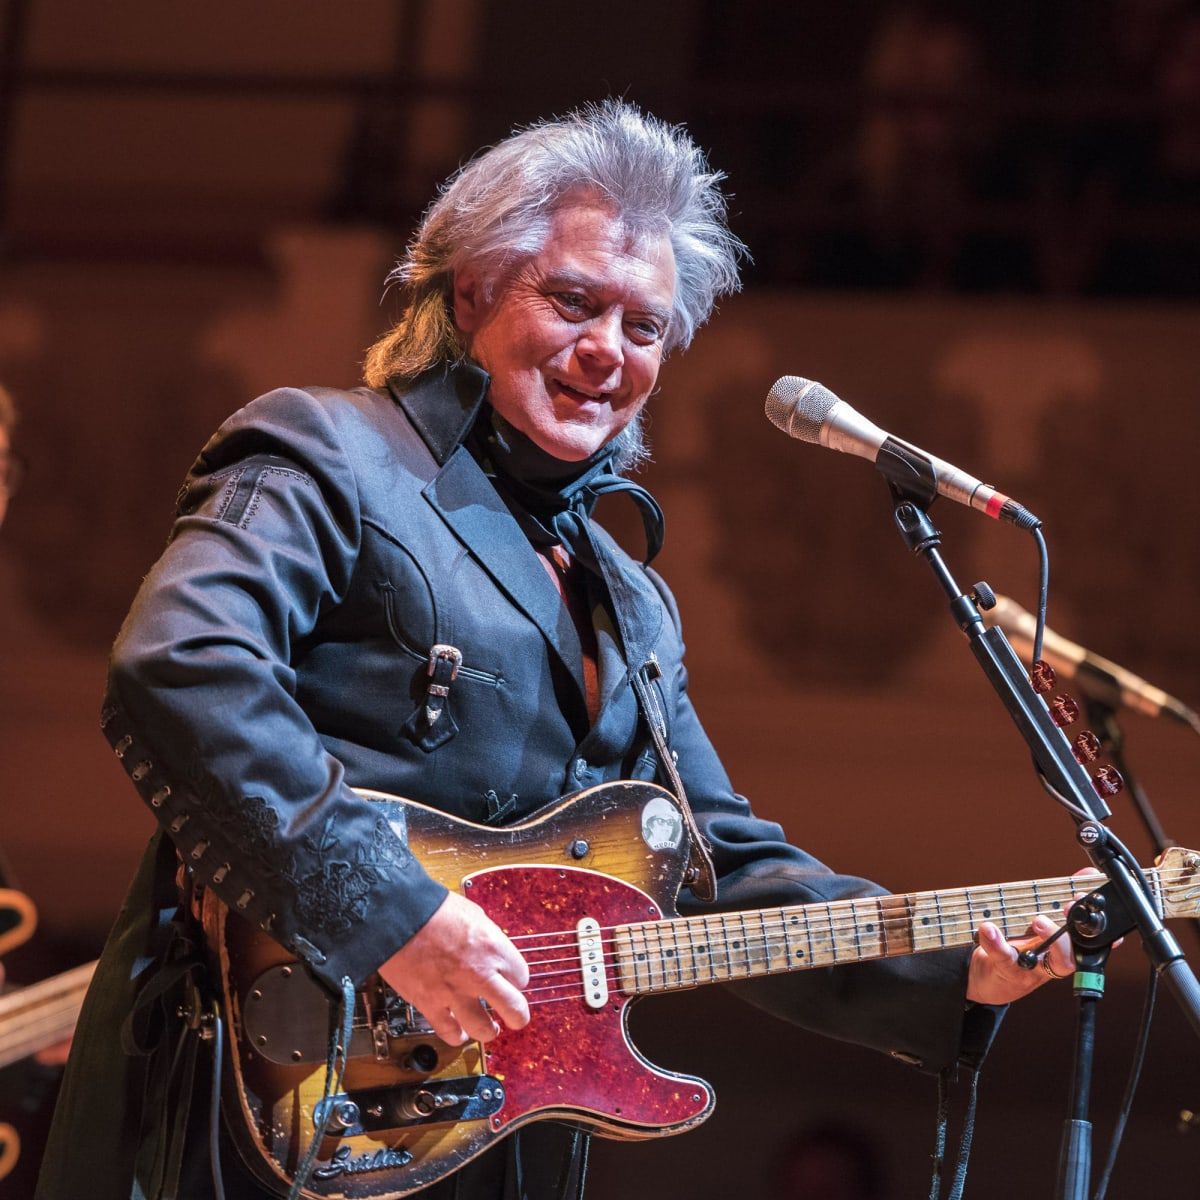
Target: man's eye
646, 331
571, 300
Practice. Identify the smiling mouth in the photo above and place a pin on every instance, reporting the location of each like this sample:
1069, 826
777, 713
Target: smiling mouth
583, 397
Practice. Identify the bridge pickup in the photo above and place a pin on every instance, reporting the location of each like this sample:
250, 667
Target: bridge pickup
591, 963
433, 1102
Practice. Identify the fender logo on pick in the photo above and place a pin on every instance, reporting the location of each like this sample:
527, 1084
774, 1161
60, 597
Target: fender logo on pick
344, 1163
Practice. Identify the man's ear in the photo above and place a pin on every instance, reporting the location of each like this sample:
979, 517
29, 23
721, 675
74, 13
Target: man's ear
468, 300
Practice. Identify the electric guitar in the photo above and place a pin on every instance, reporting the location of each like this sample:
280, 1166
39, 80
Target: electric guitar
586, 889
31, 1019
35, 1017
42, 1014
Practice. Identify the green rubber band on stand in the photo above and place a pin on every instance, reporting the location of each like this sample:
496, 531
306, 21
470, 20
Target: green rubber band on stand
1091, 981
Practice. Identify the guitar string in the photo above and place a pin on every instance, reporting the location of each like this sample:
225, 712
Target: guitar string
774, 936
774, 926
762, 943
76, 979
46, 1031
841, 920
1024, 889
756, 950
31, 1016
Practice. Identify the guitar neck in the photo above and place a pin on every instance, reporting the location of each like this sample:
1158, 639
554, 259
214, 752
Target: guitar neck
43, 1014
663, 956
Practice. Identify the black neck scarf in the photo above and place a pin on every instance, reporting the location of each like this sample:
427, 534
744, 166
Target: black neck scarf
553, 500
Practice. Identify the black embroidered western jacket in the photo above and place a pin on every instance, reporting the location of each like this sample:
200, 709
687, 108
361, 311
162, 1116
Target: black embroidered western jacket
278, 653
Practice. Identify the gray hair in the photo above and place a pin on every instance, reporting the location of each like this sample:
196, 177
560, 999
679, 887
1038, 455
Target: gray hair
497, 209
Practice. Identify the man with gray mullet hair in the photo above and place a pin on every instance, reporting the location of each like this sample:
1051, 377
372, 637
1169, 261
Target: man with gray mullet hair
400, 588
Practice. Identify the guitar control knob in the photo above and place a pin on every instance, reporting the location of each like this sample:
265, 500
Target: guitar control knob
418, 1104
344, 1115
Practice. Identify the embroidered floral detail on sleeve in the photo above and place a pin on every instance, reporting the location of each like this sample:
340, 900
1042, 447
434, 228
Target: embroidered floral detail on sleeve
336, 894
385, 849
332, 899
254, 827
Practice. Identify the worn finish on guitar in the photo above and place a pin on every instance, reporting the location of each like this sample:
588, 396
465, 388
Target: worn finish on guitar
570, 1061
420, 1109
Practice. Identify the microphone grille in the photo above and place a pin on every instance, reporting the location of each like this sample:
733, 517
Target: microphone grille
799, 407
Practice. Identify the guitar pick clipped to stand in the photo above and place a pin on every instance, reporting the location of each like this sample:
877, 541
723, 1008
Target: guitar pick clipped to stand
1105, 914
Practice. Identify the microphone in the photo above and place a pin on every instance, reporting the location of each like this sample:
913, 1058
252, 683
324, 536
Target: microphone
807, 410
1101, 678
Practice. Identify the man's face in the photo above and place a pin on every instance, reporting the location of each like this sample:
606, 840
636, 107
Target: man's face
573, 339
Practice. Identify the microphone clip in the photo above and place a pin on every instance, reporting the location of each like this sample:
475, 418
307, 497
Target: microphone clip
910, 475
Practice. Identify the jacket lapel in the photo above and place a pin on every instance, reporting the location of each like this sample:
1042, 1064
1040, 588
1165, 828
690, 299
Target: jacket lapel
464, 498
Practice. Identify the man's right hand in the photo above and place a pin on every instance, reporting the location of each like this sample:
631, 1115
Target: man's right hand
459, 961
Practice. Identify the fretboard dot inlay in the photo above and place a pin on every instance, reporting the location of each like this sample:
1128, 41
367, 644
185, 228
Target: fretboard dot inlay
924, 920
987, 912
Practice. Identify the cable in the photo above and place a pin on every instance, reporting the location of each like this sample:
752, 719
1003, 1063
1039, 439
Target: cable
1135, 1074
1043, 590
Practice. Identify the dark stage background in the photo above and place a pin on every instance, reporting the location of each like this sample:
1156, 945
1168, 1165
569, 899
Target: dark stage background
979, 223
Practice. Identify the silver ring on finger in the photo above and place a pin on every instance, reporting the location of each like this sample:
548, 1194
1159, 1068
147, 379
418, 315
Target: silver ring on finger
1045, 960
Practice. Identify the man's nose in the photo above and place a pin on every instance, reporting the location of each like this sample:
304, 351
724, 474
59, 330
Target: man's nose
600, 343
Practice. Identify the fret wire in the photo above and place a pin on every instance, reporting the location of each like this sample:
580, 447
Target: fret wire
766, 937
678, 957
695, 961
745, 942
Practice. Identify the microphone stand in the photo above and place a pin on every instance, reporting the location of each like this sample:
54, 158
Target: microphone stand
1098, 919
1102, 720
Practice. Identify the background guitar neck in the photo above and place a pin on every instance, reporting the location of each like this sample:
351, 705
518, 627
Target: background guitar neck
43, 1014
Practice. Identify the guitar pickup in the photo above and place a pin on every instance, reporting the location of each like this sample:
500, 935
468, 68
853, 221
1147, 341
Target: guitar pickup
433, 1102
591, 962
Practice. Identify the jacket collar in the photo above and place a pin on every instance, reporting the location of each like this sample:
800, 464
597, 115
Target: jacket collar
442, 404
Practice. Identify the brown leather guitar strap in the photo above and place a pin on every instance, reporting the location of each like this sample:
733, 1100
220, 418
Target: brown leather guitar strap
701, 875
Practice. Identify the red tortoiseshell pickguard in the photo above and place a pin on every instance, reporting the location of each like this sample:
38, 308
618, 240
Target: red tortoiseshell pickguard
571, 1056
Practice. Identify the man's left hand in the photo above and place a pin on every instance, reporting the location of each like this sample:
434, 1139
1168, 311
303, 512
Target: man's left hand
996, 978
